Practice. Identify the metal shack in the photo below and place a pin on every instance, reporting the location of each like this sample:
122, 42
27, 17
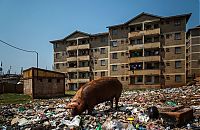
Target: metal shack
40, 83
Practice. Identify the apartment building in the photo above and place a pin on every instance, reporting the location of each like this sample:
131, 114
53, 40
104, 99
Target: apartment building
156, 50
193, 52
148, 51
72, 57
99, 54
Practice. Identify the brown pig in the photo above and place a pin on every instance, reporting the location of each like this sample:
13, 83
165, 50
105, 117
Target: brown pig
95, 92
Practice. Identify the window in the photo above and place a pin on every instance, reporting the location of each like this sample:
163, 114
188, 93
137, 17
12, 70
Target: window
177, 50
122, 41
168, 64
177, 64
156, 39
57, 66
122, 78
56, 45
177, 78
126, 65
122, 53
139, 79
177, 36
103, 74
156, 26
168, 36
49, 80
122, 66
102, 50
114, 55
114, 67
95, 50
95, 61
114, 32
103, 62
103, 39
57, 55
167, 77
167, 50
58, 80
126, 40
114, 43
177, 22
126, 78
40, 79
95, 73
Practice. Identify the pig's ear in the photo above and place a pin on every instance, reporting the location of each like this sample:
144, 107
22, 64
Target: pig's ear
71, 105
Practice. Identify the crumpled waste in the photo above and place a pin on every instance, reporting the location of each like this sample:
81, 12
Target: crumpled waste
132, 113
74, 123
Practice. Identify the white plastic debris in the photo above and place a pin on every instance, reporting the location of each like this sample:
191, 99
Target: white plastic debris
23, 121
74, 123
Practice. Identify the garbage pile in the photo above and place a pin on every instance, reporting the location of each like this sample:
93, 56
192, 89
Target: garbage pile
160, 109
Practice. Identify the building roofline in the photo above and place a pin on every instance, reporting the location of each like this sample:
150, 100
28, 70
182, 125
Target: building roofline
143, 13
116, 25
188, 15
161, 17
197, 27
77, 31
132, 19
34, 68
98, 34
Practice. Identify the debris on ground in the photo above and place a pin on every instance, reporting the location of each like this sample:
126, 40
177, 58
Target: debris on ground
160, 109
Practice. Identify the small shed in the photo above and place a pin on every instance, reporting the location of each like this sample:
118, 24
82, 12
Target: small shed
41, 83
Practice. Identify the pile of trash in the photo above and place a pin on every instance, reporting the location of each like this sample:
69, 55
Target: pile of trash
138, 110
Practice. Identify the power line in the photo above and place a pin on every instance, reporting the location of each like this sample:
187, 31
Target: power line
16, 47
22, 50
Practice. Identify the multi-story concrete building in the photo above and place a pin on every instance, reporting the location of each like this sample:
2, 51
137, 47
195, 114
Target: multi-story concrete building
193, 52
147, 51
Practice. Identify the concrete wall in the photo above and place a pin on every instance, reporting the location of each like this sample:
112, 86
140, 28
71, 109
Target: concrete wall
45, 89
28, 87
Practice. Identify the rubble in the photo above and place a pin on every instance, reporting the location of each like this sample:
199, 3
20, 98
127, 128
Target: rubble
144, 110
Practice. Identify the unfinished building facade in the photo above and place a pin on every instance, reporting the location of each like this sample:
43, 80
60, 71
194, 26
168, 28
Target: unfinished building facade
148, 51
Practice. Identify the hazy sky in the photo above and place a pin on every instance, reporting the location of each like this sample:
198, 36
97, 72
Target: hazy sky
31, 24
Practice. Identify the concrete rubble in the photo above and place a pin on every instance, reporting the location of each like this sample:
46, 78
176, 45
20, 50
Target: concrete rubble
160, 109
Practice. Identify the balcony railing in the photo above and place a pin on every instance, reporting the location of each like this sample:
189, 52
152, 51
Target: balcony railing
83, 68
85, 57
84, 46
71, 59
146, 59
145, 72
152, 45
78, 80
144, 32
71, 48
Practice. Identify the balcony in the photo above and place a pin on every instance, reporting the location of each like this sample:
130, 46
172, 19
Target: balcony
84, 46
145, 72
144, 32
69, 48
85, 57
71, 69
145, 59
71, 59
83, 68
78, 80
152, 45
135, 47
